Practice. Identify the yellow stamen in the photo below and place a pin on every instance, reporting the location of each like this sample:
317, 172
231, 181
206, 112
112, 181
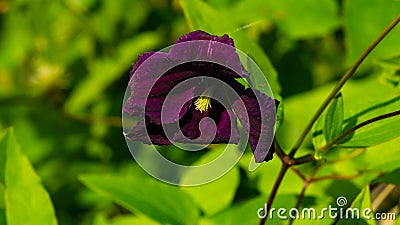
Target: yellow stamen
202, 103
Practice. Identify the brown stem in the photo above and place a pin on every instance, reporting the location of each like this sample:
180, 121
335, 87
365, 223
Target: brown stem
110, 121
304, 159
358, 126
300, 198
336, 177
272, 195
298, 173
342, 81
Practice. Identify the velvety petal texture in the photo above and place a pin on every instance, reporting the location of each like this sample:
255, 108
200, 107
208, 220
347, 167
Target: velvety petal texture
257, 118
172, 112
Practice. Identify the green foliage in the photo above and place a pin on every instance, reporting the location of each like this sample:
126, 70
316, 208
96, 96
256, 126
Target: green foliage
218, 194
170, 205
25, 199
362, 26
362, 202
64, 67
390, 178
200, 16
106, 70
334, 119
297, 19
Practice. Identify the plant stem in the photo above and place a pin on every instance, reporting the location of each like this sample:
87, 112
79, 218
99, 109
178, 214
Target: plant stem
358, 126
304, 159
300, 198
113, 121
342, 81
336, 177
272, 195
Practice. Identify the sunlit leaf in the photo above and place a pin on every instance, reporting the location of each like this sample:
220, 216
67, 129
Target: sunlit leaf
133, 220
334, 119
217, 195
24, 189
364, 22
365, 99
247, 45
368, 164
202, 16
159, 201
318, 137
2, 204
290, 17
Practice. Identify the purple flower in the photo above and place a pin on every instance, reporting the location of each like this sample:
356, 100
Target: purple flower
190, 94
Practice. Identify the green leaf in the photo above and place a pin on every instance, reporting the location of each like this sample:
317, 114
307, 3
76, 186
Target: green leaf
2, 204
365, 99
362, 202
159, 201
379, 131
216, 195
3, 147
108, 69
390, 178
373, 161
133, 220
247, 212
334, 119
364, 22
289, 185
290, 16
101, 219
199, 15
318, 137
24, 191
321, 17
246, 44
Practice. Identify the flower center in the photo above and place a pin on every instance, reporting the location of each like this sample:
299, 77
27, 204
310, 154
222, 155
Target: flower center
202, 103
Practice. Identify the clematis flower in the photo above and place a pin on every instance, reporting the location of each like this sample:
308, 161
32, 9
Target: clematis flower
198, 98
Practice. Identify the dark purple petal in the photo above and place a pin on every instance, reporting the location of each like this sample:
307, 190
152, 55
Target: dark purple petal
149, 134
225, 131
258, 120
200, 128
191, 130
173, 110
140, 60
201, 48
152, 89
201, 35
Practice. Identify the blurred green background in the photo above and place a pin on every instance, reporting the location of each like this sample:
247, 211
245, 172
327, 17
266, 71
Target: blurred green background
64, 67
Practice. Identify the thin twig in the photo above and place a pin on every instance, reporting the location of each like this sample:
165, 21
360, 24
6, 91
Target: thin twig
342, 81
112, 121
307, 182
353, 154
304, 159
298, 173
300, 198
336, 177
272, 195
358, 126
